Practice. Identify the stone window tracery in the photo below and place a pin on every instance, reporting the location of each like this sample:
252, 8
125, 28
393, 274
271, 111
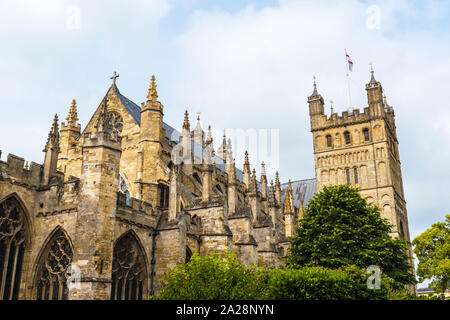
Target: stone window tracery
13, 236
115, 124
53, 270
129, 272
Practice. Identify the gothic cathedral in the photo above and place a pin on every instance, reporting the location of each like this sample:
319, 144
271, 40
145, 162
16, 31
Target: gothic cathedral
118, 203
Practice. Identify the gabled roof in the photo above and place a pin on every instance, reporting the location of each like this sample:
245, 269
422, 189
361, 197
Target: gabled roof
172, 134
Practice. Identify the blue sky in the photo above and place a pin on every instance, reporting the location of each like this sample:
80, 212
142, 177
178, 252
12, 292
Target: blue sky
243, 64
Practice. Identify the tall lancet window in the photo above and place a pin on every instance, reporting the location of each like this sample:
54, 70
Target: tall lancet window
13, 240
347, 171
355, 173
129, 271
53, 268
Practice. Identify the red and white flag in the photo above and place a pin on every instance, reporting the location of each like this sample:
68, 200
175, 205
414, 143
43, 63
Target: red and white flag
350, 62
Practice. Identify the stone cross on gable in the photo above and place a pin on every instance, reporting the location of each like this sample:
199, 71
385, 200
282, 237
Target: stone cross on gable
114, 77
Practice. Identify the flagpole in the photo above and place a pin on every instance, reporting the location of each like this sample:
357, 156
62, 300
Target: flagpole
348, 81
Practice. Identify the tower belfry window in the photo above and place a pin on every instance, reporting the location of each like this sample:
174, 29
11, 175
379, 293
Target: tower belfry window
329, 141
347, 137
366, 134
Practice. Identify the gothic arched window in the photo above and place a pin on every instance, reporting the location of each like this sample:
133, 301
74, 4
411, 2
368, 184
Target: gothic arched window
13, 239
53, 268
115, 124
347, 171
347, 137
355, 173
124, 189
129, 272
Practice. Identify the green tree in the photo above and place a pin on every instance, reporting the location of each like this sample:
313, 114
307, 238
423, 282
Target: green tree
340, 229
432, 248
213, 277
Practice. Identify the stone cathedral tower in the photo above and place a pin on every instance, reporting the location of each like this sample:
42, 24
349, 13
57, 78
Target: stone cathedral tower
361, 149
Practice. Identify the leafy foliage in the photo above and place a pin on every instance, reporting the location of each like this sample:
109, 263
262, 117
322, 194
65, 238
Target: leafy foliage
432, 248
213, 278
318, 283
340, 229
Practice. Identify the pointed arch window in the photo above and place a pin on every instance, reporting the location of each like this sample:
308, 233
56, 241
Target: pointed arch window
129, 272
347, 171
13, 239
53, 268
355, 173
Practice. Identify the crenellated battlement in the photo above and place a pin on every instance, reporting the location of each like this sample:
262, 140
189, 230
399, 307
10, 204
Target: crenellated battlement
70, 127
20, 171
344, 119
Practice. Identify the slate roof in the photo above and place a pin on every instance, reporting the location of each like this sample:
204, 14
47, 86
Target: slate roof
302, 189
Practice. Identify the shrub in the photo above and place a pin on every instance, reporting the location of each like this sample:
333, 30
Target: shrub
213, 278
318, 283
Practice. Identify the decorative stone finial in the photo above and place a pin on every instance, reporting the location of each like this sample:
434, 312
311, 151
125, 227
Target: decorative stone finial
53, 136
152, 94
263, 169
186, 124
72, 117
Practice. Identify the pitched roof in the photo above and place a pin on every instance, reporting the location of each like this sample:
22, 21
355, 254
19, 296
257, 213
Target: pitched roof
172, 134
